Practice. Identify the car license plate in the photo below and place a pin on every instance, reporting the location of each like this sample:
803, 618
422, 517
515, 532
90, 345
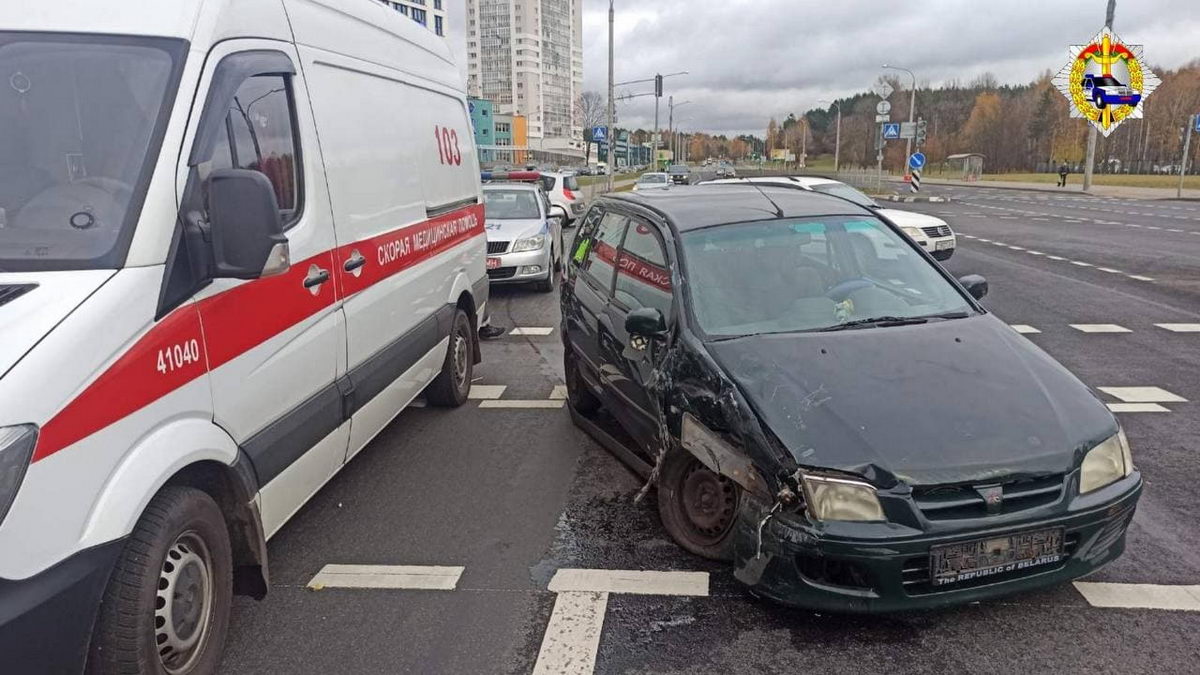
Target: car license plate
943, 245
493, 263
952, 563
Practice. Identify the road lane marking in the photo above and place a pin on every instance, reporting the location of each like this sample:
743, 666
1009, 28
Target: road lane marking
559, 393
572, 637
1081, 263
1136, 407
486, 391
1033, 252
416, 577
520, 403
1024, 329
1140, 277
1140, 596
532, 330
1055, 257
1180, 327
1143, 394
1109, 270
641, 582
1099, 328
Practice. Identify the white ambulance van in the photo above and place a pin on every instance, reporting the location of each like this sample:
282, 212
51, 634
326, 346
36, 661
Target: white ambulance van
237, 237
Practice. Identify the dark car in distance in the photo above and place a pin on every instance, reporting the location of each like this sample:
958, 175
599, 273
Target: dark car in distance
821, 404
681, 174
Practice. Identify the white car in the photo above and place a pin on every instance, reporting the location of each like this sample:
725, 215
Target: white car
566, 197
931, 233
654, 180
205, 313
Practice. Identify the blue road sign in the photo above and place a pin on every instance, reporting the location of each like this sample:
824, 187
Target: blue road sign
891, 130
917, 160
599, 134
1197, 118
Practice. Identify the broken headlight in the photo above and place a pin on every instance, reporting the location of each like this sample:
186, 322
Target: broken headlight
16, 447
831, 498
1106, 463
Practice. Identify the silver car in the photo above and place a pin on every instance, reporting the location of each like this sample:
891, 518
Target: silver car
652, 181
523, 235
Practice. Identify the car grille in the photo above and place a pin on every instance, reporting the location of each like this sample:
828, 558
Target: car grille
953, 502
937, 231
502, 273
914, 575
10, 293
497, 246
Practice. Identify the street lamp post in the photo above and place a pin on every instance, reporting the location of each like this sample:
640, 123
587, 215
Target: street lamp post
837, 143
1091, 144
611, 103
912, 112
671, 106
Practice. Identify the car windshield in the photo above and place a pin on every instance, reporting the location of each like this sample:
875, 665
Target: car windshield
845, 192
679, 168
79, 118
653, 178
1106, 81
501, 204
793, 275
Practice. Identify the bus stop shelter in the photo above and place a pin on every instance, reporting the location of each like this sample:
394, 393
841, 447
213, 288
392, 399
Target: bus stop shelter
969, 165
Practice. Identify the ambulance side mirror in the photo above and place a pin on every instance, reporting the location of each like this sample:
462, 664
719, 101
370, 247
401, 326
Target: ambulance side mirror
245, 225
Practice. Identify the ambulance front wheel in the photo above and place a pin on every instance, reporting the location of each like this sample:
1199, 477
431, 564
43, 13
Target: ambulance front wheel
166, 606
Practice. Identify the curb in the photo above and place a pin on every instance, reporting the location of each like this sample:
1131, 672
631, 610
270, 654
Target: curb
1058, 191
909, 200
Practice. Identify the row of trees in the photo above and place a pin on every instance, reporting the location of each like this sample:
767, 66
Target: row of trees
1017, 127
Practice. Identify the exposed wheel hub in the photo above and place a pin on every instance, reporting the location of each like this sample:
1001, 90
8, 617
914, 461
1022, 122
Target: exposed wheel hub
710, 501
460, 359
184, 603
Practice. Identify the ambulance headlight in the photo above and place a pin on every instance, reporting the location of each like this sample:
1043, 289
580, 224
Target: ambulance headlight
16, 447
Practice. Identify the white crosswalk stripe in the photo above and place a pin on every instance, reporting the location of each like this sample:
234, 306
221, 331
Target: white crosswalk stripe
416, 577
1099, 328
1143, 394
1180, 327
1140, 596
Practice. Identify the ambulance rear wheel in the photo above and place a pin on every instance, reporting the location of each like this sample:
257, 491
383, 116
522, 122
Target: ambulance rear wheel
166, 607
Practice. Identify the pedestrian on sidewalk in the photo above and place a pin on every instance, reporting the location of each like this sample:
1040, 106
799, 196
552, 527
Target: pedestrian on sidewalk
1062, 174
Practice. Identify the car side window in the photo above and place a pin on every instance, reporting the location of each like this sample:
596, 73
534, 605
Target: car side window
260, 135
643, 275
600, 259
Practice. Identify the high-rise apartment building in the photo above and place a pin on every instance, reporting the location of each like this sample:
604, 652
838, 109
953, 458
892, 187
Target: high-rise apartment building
526, 57
428, 13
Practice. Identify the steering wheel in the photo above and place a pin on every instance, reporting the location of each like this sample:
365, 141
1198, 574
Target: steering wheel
842, 290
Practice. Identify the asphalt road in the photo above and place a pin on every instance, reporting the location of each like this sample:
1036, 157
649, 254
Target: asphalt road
512, 494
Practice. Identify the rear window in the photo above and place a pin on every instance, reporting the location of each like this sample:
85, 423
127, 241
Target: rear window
571, 183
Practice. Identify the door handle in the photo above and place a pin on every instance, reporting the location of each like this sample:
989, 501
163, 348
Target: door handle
316, 277
355, 261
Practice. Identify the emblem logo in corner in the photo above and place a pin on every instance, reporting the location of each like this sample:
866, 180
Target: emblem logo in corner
1105, 81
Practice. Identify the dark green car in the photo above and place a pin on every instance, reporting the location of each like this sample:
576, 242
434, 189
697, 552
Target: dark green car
818, 402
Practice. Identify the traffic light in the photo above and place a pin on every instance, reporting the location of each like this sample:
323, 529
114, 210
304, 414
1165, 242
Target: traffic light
920, 135
658, 86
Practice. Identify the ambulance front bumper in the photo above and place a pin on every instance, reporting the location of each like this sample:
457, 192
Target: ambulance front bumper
46, 620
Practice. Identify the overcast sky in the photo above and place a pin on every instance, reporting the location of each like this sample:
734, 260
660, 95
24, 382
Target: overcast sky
752, 59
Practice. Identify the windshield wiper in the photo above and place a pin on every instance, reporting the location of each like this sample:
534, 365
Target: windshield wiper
894, 320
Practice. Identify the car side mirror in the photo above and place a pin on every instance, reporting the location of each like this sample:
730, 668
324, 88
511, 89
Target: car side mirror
555, 218
247, 232
645, 322
976, 285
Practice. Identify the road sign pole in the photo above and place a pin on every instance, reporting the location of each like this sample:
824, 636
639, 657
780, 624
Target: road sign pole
1187, 142
915, 184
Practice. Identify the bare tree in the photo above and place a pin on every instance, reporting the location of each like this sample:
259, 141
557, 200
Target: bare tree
590, 106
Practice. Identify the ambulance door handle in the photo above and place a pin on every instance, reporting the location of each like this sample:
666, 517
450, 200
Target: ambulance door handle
316, 277
355, 261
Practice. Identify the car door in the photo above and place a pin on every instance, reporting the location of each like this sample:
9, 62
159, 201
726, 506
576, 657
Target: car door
643, 279
275, 346
592, 269
404, 192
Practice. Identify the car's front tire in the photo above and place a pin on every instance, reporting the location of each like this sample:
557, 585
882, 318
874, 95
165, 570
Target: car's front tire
550, 283
166, 606
578, 395
697, 507
450, 388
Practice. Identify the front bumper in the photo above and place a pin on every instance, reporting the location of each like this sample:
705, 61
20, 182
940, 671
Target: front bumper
802, 567
515, 268
46, 620
941, 248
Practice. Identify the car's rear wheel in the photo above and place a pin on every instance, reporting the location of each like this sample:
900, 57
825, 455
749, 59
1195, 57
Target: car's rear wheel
450, 388
697, 507
166, 607
578, 395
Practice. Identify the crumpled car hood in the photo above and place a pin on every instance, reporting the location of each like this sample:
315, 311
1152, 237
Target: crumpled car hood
964, 400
